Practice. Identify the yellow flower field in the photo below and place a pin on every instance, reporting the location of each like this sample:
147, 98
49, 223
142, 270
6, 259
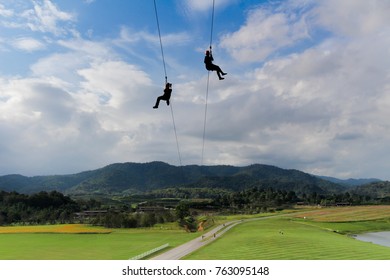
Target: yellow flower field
67, 228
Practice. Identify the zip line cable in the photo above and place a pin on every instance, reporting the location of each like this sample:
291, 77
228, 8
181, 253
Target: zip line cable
208, 82
205, 116
174, 128
212, 24
166, 80
161, 45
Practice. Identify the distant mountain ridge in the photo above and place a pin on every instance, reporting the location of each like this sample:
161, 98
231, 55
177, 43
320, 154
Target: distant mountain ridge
122, 178
379, 189
350, 182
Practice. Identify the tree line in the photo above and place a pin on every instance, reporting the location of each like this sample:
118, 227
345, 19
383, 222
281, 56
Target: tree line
39, 208
54, 207
114, 219
257, 200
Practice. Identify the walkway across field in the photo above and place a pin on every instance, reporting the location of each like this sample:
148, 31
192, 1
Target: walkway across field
187, 248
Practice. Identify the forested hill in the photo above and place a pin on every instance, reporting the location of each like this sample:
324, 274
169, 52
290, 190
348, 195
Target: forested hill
375, 190
141, 177
350, 182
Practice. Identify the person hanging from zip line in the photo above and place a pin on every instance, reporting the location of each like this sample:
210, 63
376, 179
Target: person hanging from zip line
166, 96
208, 61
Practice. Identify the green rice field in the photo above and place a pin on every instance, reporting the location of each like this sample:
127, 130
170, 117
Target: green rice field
120, 244
314, 235
308, 234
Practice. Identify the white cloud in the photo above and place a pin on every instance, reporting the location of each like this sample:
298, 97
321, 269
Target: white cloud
25, 100
118, 81
353, 18
46, 17
63, 127
264, 33
5, 12
69, 61
128, 36
321, 107
28, 44
310, 119
90, 50
205, 5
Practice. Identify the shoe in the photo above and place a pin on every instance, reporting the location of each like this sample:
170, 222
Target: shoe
221, 78
223, 74
155, 107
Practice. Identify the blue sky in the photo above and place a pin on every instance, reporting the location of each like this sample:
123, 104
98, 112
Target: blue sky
307, 87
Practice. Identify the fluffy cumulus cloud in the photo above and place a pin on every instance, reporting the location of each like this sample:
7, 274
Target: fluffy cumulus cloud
318, 109
84, 107
308, 88
57, 124
266, 30
353, 18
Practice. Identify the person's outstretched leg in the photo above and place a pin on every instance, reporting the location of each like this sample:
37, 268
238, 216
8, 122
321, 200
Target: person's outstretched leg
219, 71
157, 102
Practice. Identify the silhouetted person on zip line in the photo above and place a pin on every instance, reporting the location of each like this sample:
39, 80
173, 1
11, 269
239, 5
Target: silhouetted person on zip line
208, 61
166, 96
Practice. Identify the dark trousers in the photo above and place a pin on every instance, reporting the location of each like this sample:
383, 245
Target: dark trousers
213, 67
162, 97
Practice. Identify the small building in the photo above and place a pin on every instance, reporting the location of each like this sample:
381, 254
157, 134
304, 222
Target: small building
90, 214
151, 209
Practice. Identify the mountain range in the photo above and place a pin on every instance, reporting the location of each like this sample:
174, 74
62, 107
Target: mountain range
127, 178
351, 182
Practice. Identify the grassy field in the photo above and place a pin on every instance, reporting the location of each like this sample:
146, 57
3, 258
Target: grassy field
306, 235
347, 214
78, 242
312, 235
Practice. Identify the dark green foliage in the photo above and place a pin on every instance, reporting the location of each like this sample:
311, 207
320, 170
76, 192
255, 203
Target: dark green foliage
256, 200
39, 208
379, 190
185, 219
54, 207
130, 178
350, 183
182, 210
132, 220
183, 193
251, 189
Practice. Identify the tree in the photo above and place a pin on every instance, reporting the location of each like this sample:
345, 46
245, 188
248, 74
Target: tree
182, 210
148, 219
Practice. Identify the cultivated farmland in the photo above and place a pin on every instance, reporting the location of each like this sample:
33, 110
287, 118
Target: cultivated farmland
305, 235
83, 242
300, 237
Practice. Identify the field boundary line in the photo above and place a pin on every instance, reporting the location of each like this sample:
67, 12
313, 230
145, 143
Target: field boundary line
143, 255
